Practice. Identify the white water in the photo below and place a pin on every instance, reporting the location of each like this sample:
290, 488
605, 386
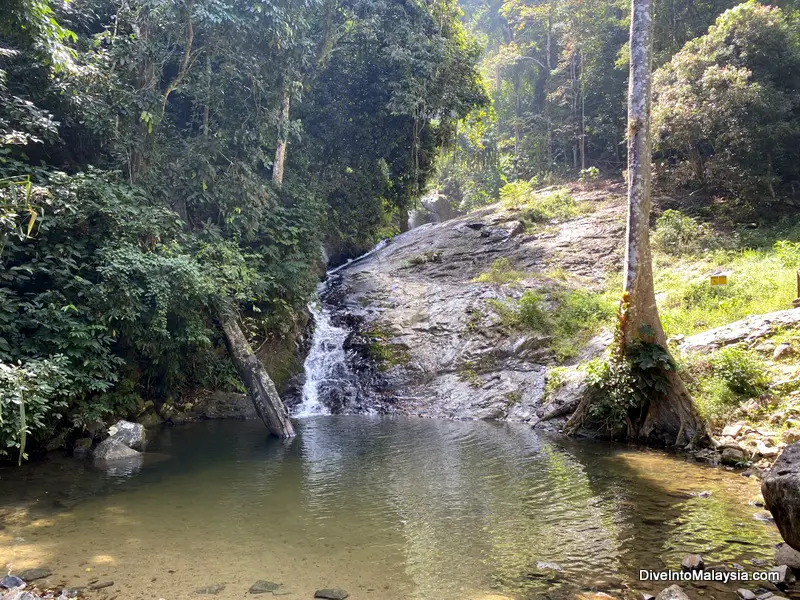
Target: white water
325, 363
325, 367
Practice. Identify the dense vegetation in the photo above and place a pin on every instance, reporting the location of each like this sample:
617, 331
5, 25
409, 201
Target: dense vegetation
726, 112
142, 185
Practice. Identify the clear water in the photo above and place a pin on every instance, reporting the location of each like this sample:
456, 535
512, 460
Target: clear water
386, 508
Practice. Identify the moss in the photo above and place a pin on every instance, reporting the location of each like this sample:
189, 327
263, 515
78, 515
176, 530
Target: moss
384, 353
430, 256
513, 398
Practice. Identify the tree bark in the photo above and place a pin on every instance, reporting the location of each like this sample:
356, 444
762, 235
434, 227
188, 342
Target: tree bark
267, 402
671, 419
283, 125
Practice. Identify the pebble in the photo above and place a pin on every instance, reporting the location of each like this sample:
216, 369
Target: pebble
331, 594
745, 594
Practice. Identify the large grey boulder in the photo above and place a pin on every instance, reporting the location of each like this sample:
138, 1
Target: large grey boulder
133, 435
112, 449
781, 491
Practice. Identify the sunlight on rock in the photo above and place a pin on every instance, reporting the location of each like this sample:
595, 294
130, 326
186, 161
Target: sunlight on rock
103, 559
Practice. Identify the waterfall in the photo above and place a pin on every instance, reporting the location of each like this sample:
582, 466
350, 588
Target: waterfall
325, 367
327, 377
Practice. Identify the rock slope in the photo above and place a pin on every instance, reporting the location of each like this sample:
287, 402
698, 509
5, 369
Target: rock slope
424, 339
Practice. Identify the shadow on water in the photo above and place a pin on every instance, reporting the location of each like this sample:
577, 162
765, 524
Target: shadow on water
402, 508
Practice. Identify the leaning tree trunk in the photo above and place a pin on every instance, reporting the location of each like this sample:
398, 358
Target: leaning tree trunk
671, 418
262, 391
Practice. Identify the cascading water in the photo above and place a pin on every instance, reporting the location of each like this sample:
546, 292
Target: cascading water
325, 367
328, 380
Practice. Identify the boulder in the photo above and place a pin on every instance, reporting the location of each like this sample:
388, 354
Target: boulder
673, 592
111, 449
133, 435
745, 594
788, 556
732, 430
733, 456
766, 451
780, 488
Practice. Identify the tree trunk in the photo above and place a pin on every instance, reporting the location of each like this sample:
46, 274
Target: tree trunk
265, 397
671, 419
283, 125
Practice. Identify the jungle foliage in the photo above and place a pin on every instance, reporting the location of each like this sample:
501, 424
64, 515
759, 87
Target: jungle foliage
726, 107
137, 148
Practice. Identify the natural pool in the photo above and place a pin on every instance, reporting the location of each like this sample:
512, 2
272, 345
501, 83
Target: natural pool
386, 508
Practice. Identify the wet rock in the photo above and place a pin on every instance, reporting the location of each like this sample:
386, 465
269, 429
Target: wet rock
262, 587
210, 590
10, 581
745, 594
331, 594
20, 594
72, 592
673, 592
646, 596
693, 562
763, 516
29, 575
788, 556
82, 447
733, 456
132, 435
785, 576
111, 450
779, 488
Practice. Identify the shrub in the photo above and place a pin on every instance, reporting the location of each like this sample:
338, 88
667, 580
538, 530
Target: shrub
589, 175
677, 233
500, 273
31, 397
742, 370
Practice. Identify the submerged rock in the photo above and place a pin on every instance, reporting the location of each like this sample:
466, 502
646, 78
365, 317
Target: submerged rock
331, 594
780, 489
82, 447
111, 449
29, 575
210, 590
262, 587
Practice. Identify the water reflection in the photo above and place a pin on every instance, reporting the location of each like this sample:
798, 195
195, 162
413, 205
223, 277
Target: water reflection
401, 508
